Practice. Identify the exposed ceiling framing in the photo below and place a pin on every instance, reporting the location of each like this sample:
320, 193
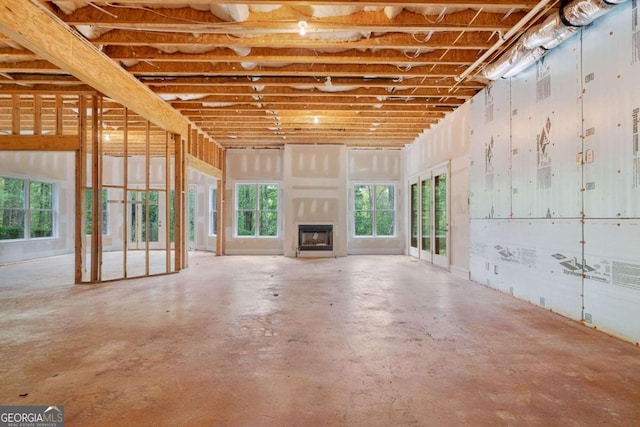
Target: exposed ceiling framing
366, 73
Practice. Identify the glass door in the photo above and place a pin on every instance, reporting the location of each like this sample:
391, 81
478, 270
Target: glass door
429, 219
426, 229
414, 220
440, 244
191, 220
144, 226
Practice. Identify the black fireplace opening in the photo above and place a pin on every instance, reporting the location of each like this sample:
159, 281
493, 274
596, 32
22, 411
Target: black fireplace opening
315, 237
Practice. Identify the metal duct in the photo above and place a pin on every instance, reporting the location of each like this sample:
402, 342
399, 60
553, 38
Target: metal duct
526, 61
579, 13
506, 62
549, 34
533, 45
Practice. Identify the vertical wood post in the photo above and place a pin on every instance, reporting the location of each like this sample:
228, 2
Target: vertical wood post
81, 178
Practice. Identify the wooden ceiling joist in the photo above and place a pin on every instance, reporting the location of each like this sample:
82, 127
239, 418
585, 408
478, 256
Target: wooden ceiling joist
284, 20
400, 85
494, 4
399, 41
296, 56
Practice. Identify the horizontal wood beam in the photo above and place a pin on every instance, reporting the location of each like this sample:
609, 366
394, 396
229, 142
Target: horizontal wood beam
48, 89
164, 85
297, 56
493, 4
49, 38
39, 143
203, 167
399, 41
293, 92
330, 107
172, 69
283, 21
321, 101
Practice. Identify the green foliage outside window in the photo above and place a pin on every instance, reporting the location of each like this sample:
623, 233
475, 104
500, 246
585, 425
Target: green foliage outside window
154, 219
89, 209
374, 209
192, 214
414, 215
12, 208
257, 210
172, 216
22, 200
426, 215
440, 220
213, 211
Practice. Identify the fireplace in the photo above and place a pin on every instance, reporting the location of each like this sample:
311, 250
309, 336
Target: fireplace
315, 237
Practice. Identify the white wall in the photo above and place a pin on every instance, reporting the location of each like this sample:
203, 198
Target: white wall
315, 182
58, 168
315, 192
202, 184
545, 226
447, 142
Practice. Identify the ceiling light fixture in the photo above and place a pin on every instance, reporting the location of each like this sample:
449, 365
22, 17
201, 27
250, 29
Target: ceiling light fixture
316, 120
302, 27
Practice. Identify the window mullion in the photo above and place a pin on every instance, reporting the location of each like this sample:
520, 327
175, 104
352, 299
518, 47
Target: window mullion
256, 212
27, 210
374, 213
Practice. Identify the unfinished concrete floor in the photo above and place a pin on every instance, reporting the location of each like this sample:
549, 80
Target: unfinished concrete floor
273, 341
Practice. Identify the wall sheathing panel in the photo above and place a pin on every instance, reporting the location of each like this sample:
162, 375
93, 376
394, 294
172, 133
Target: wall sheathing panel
612, 276
522, 258
491, 183
611, 116
587, 268
545, 115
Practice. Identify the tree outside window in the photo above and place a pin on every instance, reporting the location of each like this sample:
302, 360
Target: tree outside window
12, 208
213, 210
257, 210
89, 209
374, 210
26, 205
191, 205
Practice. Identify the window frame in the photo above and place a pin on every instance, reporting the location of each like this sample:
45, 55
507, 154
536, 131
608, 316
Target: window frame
256, 209
374, 210
28, 210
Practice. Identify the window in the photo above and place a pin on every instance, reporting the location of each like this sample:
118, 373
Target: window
374, 210
27, 209
213, 210
172, 216
89, 209
257, 210
191, 207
